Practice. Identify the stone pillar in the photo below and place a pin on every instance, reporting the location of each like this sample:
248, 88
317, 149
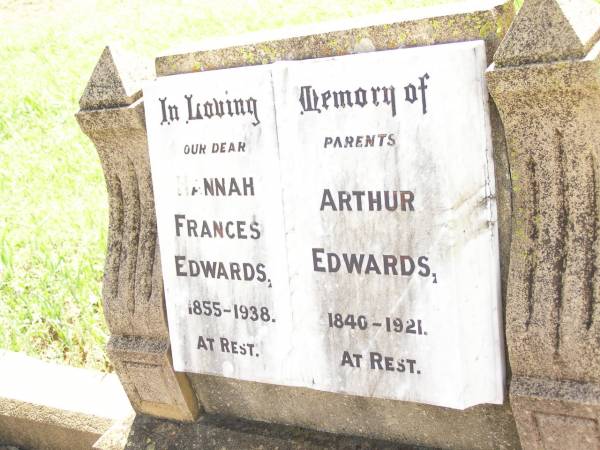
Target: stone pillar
112, 115
545, 81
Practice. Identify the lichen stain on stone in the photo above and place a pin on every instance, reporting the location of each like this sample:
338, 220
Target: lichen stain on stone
266, 54
364, 45
486, 29
435, 24
334, 47
249, 56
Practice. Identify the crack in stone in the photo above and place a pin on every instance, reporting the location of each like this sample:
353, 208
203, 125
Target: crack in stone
561, 241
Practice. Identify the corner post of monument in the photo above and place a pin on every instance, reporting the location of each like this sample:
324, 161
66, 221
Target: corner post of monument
545, 81
112, 115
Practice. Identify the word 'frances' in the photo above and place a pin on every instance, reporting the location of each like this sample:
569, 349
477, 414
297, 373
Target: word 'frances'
209, 109
311, 100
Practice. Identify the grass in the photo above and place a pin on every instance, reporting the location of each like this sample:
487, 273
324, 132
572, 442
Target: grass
53, 203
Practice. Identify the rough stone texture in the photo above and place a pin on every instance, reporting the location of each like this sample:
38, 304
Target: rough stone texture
550, 30
551, 114
487, 20
116, 437
218, 433
132, 289
69, 409
146, 371
481, 427
557, 415
133, 286
115, 80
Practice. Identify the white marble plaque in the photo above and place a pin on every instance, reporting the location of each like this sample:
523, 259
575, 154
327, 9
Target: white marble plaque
217, 190
337, 231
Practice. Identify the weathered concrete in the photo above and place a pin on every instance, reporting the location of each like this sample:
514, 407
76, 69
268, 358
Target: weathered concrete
546, 31
112, 115
45, 406
217, 433
487, 20
551, 114
479, 427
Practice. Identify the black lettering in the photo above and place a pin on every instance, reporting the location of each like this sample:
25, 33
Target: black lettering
251, 103
411, 93
178, 223
327, 200
233, 187
219, 110
194, 268
353, 262
309, 99
372, 266
317, 259
234, 268
222, 273
218, 229
333, 262
208, 110
404, 260
389, 264
255, 230
163, 107
360, 97
325, 97
209, 268
422, 88
342, 98
344, 198
248, 271
191, 227
358, 195
260, 270
374, 200
422, 262
241, 232
389, 98
191, 116
375, 359
224, 345
389, 205
406, 200
205, 230
346, 359
248, 184
179, 263
389, 363
230, 234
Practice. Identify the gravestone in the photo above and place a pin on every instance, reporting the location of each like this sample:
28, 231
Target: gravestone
282, 165
343, 225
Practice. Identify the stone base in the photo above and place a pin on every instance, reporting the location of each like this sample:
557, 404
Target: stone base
556, 415
145, 368
46, 406
212, 432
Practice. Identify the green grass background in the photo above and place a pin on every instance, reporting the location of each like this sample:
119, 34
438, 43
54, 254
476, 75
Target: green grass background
53, 203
